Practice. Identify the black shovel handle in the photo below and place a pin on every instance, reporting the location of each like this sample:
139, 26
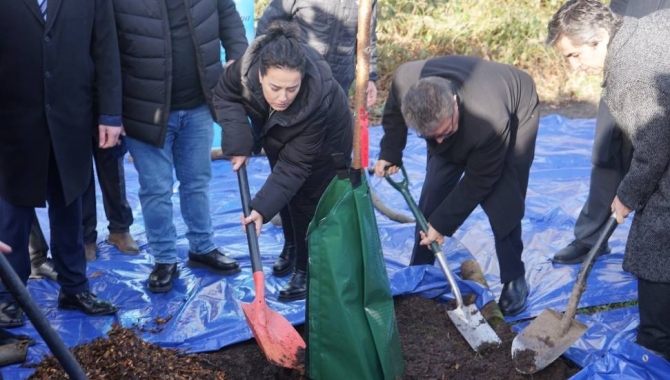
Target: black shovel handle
39, 321
252, 239
584, 271
403, 187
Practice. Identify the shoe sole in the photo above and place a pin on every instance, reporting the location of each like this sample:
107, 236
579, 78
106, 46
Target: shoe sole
292, 298
12, 325
285, 272
226, 272
166, 288
578, 260
68, 307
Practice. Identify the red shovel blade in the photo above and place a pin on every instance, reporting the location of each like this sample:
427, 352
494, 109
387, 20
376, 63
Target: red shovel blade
277, 338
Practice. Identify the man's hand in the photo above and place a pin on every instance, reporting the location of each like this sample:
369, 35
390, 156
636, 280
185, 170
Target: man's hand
255, 218
4, 248
620, 210
432, 236
109, 136
372, 93
383, 167
238, 161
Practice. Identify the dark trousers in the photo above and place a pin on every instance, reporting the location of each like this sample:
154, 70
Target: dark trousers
441, 178
66, 237
297, 215
612, 153
654, 306
111, 177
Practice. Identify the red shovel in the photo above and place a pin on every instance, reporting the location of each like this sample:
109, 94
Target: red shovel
277, 338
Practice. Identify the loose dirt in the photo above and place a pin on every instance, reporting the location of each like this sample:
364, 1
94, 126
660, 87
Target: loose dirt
432, 349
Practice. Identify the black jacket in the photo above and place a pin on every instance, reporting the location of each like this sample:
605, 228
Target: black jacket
495, 140
144, 41
47, 76
297, 141
329, 26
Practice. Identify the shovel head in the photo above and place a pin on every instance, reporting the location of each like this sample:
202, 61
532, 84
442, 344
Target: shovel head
277, 338
543, 341
474, 328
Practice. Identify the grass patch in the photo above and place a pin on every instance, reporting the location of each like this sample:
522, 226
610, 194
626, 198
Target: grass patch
506, 31
599, 309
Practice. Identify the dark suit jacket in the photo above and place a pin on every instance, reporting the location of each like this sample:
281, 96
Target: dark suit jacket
495, 141
47, 73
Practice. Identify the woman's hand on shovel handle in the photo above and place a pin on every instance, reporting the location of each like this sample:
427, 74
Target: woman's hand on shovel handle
255, 218
620, 210
4, 248
433, 235
238, 161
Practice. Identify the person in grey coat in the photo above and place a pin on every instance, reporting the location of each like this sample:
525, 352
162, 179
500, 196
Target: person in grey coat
610, 160
633, 53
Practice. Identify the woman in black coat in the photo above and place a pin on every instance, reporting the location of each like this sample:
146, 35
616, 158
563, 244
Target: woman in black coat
300, 116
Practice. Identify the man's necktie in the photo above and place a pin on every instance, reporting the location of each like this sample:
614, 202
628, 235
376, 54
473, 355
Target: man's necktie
43, 8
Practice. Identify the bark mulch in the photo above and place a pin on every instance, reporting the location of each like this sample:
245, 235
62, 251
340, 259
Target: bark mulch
432, 349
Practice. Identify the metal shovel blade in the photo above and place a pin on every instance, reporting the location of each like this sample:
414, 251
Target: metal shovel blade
543, 341
277, 338
471, 324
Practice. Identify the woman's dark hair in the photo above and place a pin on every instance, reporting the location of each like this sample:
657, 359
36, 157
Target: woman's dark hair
280, 48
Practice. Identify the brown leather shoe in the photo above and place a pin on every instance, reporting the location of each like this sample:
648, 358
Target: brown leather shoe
91, 251
43, 269
124, 242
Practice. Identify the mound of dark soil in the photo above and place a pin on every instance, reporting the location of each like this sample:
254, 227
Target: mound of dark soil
432, 349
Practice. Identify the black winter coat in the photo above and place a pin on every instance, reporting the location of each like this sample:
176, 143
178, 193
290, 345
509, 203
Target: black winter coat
47, 75
297, 141
495, 139
146, 57
329, 26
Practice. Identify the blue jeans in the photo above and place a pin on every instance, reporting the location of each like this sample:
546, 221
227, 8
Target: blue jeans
186, 152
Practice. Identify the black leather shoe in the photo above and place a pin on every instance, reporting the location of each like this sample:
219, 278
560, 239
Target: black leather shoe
8, 338
11, 315
513, 296
576, 252
45, 269
86, 302
160, 279
285, 262
296, 289
215, 259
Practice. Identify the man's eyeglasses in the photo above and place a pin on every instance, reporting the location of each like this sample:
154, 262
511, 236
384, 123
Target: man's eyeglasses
443, 131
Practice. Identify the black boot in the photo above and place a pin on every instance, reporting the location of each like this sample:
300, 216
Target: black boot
296, 289
285, 262
575, 253
513, 296
161, 277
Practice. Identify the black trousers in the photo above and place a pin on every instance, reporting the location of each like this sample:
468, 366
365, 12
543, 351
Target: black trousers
441, 178
297, 215
111, 177
66, 237
612, 153
654, 306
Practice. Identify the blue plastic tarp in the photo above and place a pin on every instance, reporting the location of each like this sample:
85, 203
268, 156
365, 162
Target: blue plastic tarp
203, 310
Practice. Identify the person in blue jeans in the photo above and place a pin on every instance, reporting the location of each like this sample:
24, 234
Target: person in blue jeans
170, 54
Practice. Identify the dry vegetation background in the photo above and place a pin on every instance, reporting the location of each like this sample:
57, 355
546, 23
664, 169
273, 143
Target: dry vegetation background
507, 31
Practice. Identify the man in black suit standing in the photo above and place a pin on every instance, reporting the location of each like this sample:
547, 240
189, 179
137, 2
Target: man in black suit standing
57, 51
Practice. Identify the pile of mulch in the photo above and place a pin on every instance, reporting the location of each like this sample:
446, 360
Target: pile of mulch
432, 349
